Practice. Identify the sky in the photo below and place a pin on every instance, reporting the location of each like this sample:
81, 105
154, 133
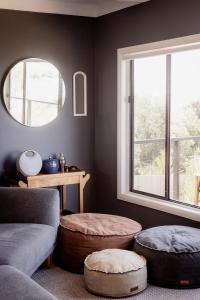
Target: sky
150, 78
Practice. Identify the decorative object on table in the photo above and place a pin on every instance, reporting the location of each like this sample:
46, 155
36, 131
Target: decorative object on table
51, 165
73, 169
173, 255
41, 84
115, 273
62, 162
81, 234
66, 168
79, 94
29, 163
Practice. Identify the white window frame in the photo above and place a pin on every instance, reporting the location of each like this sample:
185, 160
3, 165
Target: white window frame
123, 124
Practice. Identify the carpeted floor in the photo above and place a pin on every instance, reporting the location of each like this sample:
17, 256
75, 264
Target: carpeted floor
69, 286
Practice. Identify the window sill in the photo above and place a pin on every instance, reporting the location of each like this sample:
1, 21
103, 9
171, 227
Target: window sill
162, 205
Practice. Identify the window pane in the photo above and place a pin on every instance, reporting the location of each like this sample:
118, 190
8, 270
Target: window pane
16, 109
39, 86
185, 124
149, 118
16, 81
37, 117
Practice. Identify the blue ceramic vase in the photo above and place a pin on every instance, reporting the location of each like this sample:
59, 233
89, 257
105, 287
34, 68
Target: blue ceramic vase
51, 165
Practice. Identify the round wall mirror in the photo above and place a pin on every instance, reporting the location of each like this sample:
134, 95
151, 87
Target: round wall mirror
34, 92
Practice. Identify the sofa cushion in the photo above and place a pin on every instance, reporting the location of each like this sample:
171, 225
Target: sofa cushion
25, 246
17, 286
22, 205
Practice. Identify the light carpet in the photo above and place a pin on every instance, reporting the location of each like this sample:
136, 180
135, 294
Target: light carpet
68, 286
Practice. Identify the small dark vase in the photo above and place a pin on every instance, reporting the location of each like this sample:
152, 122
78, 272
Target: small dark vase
51, 165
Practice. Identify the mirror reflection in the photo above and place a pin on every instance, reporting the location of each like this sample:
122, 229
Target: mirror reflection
34, 92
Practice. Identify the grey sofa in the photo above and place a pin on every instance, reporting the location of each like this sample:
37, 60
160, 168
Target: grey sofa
15, 285
29, 221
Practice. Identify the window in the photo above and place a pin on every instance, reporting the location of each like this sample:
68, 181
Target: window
159, 125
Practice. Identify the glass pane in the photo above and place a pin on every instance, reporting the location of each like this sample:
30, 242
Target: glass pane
36, 115
16, 81
16, 109
148, 163
185, 125
42, 82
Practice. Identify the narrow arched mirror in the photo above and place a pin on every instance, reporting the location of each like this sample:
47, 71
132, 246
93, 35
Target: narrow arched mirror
34, 92
80, 94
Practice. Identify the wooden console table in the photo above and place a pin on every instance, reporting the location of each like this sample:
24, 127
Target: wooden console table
58, 179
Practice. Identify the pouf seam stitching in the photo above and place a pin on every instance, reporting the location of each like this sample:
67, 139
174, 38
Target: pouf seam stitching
101, 235
109, 273
114, 297
158, 250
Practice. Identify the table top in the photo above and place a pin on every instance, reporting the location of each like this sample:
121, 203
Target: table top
56, 175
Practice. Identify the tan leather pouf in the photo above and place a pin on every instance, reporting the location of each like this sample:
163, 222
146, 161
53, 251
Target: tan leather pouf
115, 273
81, 234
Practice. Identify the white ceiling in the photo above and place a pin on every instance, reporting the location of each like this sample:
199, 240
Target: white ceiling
90, 8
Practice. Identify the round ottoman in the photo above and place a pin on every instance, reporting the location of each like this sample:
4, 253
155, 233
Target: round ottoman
81, 234
115, 273
173, 255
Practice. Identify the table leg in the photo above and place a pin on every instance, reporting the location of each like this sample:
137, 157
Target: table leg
81, 206
49, 261
64, 197
83, 181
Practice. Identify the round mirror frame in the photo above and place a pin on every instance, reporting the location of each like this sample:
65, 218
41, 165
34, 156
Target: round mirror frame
33, 94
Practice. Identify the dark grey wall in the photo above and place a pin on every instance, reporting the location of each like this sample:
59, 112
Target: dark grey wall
67, 42
148, 22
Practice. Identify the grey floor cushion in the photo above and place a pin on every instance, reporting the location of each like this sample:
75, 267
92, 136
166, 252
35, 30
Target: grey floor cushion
17, 286
25, 246
173, 255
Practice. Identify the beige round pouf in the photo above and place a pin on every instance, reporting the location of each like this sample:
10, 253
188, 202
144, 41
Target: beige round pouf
81, 234
115, 273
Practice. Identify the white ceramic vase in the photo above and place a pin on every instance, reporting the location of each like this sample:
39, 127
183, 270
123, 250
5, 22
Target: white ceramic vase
29, 163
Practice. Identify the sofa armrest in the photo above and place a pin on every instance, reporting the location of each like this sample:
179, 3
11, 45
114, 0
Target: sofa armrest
18, 205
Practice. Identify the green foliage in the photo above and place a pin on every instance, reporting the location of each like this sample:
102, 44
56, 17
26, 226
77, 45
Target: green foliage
149, 158
149, 120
